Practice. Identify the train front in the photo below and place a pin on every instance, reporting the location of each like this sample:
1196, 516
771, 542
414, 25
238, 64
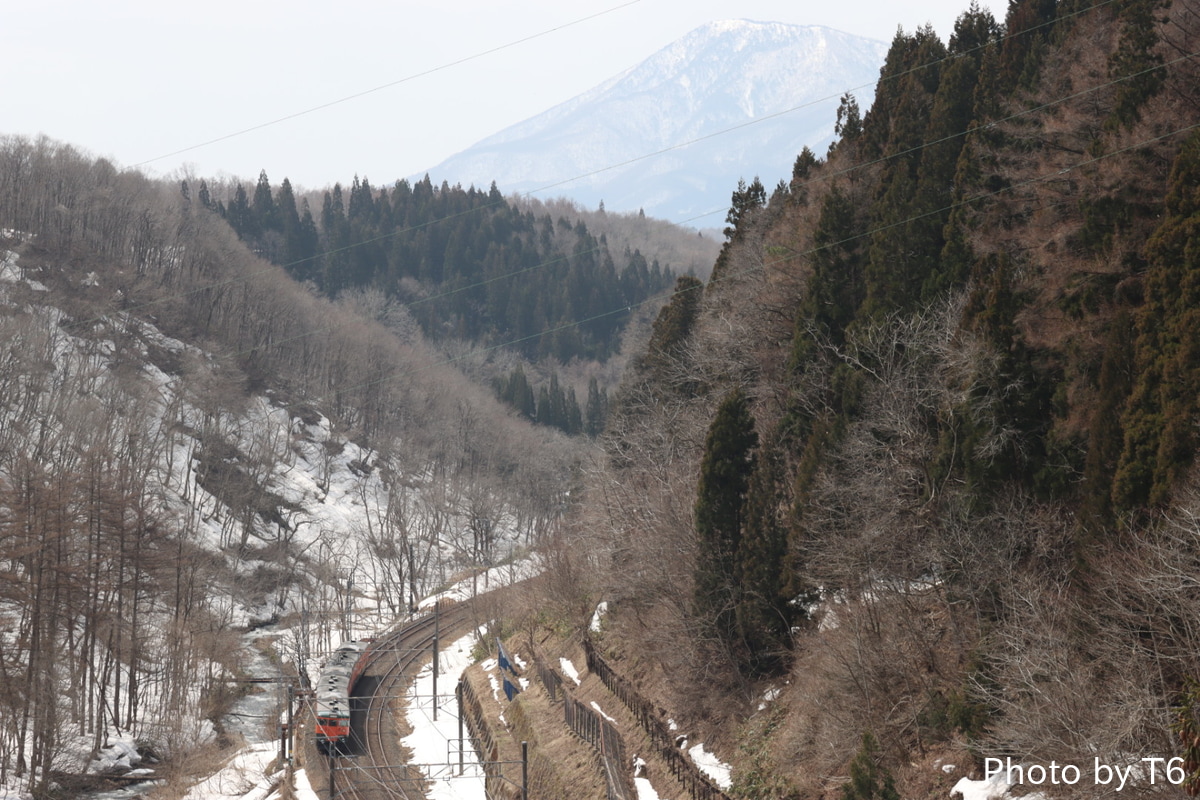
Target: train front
333, 697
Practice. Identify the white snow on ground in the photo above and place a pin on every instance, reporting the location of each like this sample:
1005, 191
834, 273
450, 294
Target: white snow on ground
994, 787
600, 711
493, 578
711, 766
644, 790
489, 665
304, 789
569, 670
245, 776
597, 617
991, 788
9, 271
769, 696
641, 784
120, 754
257, 714
432, 742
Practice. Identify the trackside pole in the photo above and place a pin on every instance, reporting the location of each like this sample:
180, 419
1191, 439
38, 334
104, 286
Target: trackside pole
524, 770
437, 621
285, 745
462, 743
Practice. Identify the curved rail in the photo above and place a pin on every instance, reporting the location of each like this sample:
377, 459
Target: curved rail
374, 769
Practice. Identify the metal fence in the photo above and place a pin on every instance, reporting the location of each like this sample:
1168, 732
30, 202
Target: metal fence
481, 737
650, 717
593, 729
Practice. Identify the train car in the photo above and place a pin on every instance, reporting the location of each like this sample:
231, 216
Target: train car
333, 694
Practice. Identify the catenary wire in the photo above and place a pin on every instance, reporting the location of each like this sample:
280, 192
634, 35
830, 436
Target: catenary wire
389, 85
663, 297
267, 269
825, 178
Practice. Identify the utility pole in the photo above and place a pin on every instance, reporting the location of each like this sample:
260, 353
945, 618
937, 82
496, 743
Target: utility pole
524, 771
462, 743
437, 621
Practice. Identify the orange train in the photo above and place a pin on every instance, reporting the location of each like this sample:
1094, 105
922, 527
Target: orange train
333, 693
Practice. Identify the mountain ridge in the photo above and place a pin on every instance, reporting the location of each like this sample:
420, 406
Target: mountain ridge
673, 134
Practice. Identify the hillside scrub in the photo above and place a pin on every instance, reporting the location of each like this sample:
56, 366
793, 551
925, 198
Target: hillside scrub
964, 335
179, 420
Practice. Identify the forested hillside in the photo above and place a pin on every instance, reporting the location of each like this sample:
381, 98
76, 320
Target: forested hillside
912, 475
192, 445
468, 264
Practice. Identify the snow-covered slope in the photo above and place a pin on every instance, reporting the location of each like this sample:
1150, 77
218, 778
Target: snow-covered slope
673, 135
189, 510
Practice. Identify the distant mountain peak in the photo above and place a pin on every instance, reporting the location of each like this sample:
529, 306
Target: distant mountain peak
731, 99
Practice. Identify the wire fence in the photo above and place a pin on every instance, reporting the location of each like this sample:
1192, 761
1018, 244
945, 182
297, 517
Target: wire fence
650, 717
594, 729
481, 737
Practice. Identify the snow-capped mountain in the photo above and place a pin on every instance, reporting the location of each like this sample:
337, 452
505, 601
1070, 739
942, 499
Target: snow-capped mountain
673, 135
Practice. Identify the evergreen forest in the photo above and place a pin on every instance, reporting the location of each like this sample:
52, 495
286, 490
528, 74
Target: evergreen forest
468, 264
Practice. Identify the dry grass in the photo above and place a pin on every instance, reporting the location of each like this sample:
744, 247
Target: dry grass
561, 764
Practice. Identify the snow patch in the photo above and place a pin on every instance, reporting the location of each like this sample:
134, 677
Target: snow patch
990, 789
598, 616
304, 789
600, 711
120, 756
769, 696
569, 670
493, 578
434, 742
245, 776
9, 271
711, 766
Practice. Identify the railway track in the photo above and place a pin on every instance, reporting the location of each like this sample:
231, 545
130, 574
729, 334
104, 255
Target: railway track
374, 768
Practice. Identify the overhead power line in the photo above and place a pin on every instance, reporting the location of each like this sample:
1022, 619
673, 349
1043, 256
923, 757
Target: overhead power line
655, 298
767, 264
389, 85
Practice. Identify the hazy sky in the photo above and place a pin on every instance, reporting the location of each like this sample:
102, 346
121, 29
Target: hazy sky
150, 83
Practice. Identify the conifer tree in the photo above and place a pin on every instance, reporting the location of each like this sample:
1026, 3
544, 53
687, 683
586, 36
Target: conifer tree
517, 392
849, 124
574, 416
1027, 27
868, 779
204, 196
801, 171
595, 410
239, 215
545, 408
836, 287
674, 323
265, 214
745, 201
762, 609
1160, 419
1133, 64
289, 226
720, 498
1106, 437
